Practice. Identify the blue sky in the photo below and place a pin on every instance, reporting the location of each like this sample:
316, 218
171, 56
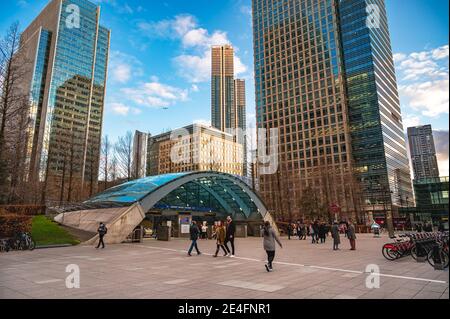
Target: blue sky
159, 59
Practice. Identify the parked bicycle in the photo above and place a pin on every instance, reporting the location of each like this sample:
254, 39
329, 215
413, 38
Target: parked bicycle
441, 254
4, 246
21, 241
406, 245
402, 247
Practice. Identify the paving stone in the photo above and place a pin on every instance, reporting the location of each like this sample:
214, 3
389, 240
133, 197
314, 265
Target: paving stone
158, 270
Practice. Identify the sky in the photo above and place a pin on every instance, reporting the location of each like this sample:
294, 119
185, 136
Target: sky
159, 68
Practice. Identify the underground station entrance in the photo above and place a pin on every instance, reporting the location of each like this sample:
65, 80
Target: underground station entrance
164, 206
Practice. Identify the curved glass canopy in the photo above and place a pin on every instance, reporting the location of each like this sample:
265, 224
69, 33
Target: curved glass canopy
198, 191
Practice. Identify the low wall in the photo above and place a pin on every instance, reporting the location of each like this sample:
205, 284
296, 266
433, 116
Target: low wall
120, 222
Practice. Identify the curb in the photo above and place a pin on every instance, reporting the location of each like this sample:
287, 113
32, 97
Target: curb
53, 246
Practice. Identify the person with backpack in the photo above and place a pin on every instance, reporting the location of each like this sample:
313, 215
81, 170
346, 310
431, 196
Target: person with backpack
270, 237
102, 231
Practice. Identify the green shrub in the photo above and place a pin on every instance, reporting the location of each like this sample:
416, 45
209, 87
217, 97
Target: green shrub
10, 224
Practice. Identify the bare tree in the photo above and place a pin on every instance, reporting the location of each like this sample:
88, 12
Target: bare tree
105, 159
124, 152
13, 113
113, 169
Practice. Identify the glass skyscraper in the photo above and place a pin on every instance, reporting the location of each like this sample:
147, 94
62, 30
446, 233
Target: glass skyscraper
69, 52
325, 78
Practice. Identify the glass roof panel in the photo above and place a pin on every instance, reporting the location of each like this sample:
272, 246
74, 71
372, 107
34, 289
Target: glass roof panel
134, 191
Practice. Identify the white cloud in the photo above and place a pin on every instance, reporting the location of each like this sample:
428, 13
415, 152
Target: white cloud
195, 63
424, 80
122, 109
194, 68
410, 121
441, 53
197, 68
122, 67
431, 98
155, 94
417, 65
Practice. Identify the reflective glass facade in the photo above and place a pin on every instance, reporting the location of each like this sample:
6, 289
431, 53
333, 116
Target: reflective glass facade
68, 122
38, 89
378, 140
327, 82
300, 91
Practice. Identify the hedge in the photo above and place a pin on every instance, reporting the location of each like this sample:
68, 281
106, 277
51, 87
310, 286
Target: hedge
28, 210
10, 224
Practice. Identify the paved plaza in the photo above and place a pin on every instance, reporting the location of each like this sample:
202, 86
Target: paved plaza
155, 270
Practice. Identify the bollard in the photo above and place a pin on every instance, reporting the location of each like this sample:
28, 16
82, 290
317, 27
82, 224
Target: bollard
437, 258
421, 251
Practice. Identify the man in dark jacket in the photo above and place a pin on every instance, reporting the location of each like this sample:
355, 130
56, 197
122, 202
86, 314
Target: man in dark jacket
102, 231
351, 235
194, 232
229, 238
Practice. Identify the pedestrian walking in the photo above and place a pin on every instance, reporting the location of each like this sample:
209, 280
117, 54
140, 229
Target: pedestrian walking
336, 234
322, 233
289, 230
270, 237
205, 231
195, 233
316, 231
351, 235
229, 238
102, 231
220, 239
313, 235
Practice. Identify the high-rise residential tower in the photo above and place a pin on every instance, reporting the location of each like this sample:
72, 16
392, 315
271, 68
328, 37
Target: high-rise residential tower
223, 115
68, 52
228, 99
324, 76
423, 152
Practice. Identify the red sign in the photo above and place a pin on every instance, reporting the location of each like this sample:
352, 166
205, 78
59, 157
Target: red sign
335, 209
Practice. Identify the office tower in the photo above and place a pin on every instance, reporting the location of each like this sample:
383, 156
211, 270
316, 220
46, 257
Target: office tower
228, 99
194, 148
69, 53
223, 115
423, 152
325, 78
139, 162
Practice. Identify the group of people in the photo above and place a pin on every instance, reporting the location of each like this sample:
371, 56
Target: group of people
224, 233
319, 231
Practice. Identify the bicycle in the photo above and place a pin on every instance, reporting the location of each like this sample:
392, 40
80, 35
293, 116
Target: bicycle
27, 242
22, 241
399, 249
442, 244
4, 246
